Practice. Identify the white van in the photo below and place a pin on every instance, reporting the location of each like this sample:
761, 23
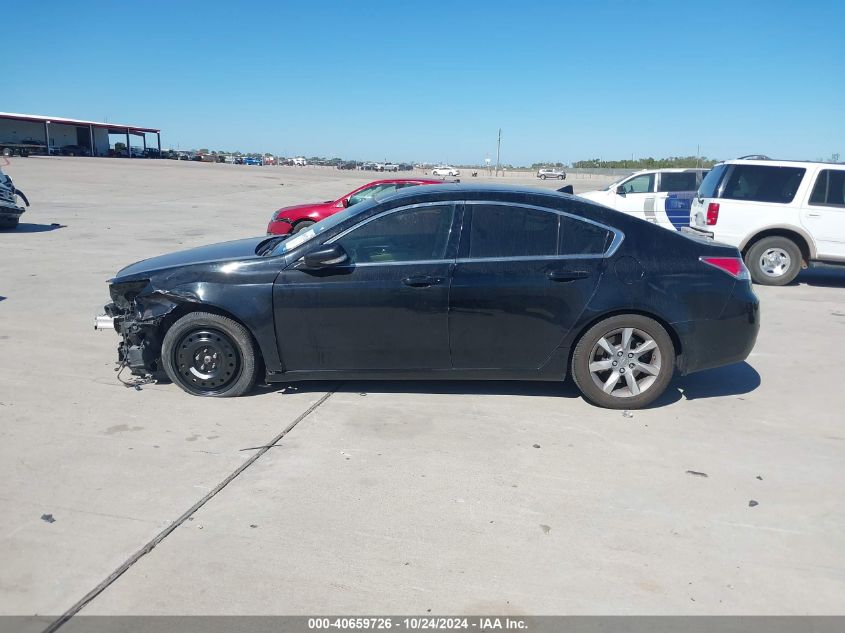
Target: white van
662, 196
783, 215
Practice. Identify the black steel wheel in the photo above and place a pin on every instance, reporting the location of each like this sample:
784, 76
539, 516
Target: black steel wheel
209, 355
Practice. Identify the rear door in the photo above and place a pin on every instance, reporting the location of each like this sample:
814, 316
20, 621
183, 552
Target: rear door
675, 192
524, 276
824, 213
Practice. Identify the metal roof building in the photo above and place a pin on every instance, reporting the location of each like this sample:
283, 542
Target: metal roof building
56, 132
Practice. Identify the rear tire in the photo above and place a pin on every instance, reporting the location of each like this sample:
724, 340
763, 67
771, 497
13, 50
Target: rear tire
210, 355
9, 225
624, 362
301, 226
543, 177
774, 261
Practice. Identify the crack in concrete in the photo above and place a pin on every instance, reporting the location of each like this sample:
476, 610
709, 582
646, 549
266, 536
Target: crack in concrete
158, 538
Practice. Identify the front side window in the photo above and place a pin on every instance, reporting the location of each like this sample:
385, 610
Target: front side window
678, 181
829, 190
512, 231
416, 234
365, 194
639, 184
763, 183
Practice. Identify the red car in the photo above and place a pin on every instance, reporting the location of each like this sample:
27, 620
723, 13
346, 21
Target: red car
301, 216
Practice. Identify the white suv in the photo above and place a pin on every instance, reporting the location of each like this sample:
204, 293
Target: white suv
782, 215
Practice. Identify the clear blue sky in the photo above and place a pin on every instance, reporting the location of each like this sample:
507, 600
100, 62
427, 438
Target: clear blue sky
433, 81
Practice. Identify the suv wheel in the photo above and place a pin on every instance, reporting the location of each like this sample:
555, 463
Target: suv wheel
624, 362
774, 261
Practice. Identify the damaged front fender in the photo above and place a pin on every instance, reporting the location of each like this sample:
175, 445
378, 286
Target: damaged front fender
139, 322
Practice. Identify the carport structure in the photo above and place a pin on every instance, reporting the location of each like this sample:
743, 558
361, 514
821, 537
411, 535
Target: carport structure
56, 132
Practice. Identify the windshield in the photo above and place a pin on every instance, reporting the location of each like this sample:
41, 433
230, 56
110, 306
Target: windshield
294, 240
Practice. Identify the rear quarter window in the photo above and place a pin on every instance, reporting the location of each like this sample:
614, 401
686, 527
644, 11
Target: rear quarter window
582, 238
763, 183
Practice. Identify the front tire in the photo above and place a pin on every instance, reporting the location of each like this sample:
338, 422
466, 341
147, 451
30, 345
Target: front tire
301, 226
210, 355
9, 225
624, 362
774, 261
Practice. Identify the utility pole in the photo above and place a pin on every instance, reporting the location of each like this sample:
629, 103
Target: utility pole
498, 151
698, 155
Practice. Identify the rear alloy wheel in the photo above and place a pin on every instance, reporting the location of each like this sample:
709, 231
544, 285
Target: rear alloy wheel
774, 261
301, 226
624, 362
542, 176
209, 355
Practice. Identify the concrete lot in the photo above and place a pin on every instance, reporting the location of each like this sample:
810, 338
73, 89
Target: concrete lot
388, 497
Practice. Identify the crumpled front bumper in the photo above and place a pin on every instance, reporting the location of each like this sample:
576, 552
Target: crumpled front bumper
139, 348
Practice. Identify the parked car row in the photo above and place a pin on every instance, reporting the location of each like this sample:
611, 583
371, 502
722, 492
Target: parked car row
782, 215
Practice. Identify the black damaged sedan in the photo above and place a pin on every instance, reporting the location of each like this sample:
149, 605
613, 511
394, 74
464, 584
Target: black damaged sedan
443, 282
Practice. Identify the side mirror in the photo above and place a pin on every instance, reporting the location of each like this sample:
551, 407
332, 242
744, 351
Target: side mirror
345, 202
326, 256
620, 190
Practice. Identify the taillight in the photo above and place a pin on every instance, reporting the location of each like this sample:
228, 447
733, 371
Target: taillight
712, 213
734, 266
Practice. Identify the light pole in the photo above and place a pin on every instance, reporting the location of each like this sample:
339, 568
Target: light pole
498, 151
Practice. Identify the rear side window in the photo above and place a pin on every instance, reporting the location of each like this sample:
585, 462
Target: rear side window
678, 181
582, 238
512, 231
763, 183
829, 189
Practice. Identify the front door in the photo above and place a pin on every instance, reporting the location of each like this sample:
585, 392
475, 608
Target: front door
524, 277
386, 308
637, 197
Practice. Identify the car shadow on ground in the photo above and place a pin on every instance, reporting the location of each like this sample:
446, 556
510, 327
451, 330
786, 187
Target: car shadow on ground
827, 277
2, 298
733, 380
26, 227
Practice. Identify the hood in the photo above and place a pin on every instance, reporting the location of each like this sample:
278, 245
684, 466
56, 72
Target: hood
299, 208
239, 250
599, 195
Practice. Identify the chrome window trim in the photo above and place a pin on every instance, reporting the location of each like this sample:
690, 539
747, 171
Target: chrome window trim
616, 242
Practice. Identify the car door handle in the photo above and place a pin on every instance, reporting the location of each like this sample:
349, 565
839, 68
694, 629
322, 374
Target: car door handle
814, 215
420, 281
567, 275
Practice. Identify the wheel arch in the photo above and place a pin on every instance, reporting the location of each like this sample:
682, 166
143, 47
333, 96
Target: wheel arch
801, 238
184, 308
673, 334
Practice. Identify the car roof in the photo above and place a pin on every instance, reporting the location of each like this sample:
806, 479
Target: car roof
781, 163
388, 181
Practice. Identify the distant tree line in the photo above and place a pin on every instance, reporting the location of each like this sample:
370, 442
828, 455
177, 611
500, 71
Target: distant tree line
646, 163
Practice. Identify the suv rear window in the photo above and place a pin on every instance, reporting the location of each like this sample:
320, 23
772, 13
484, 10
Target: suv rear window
763, 183
830, 188
710, 185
